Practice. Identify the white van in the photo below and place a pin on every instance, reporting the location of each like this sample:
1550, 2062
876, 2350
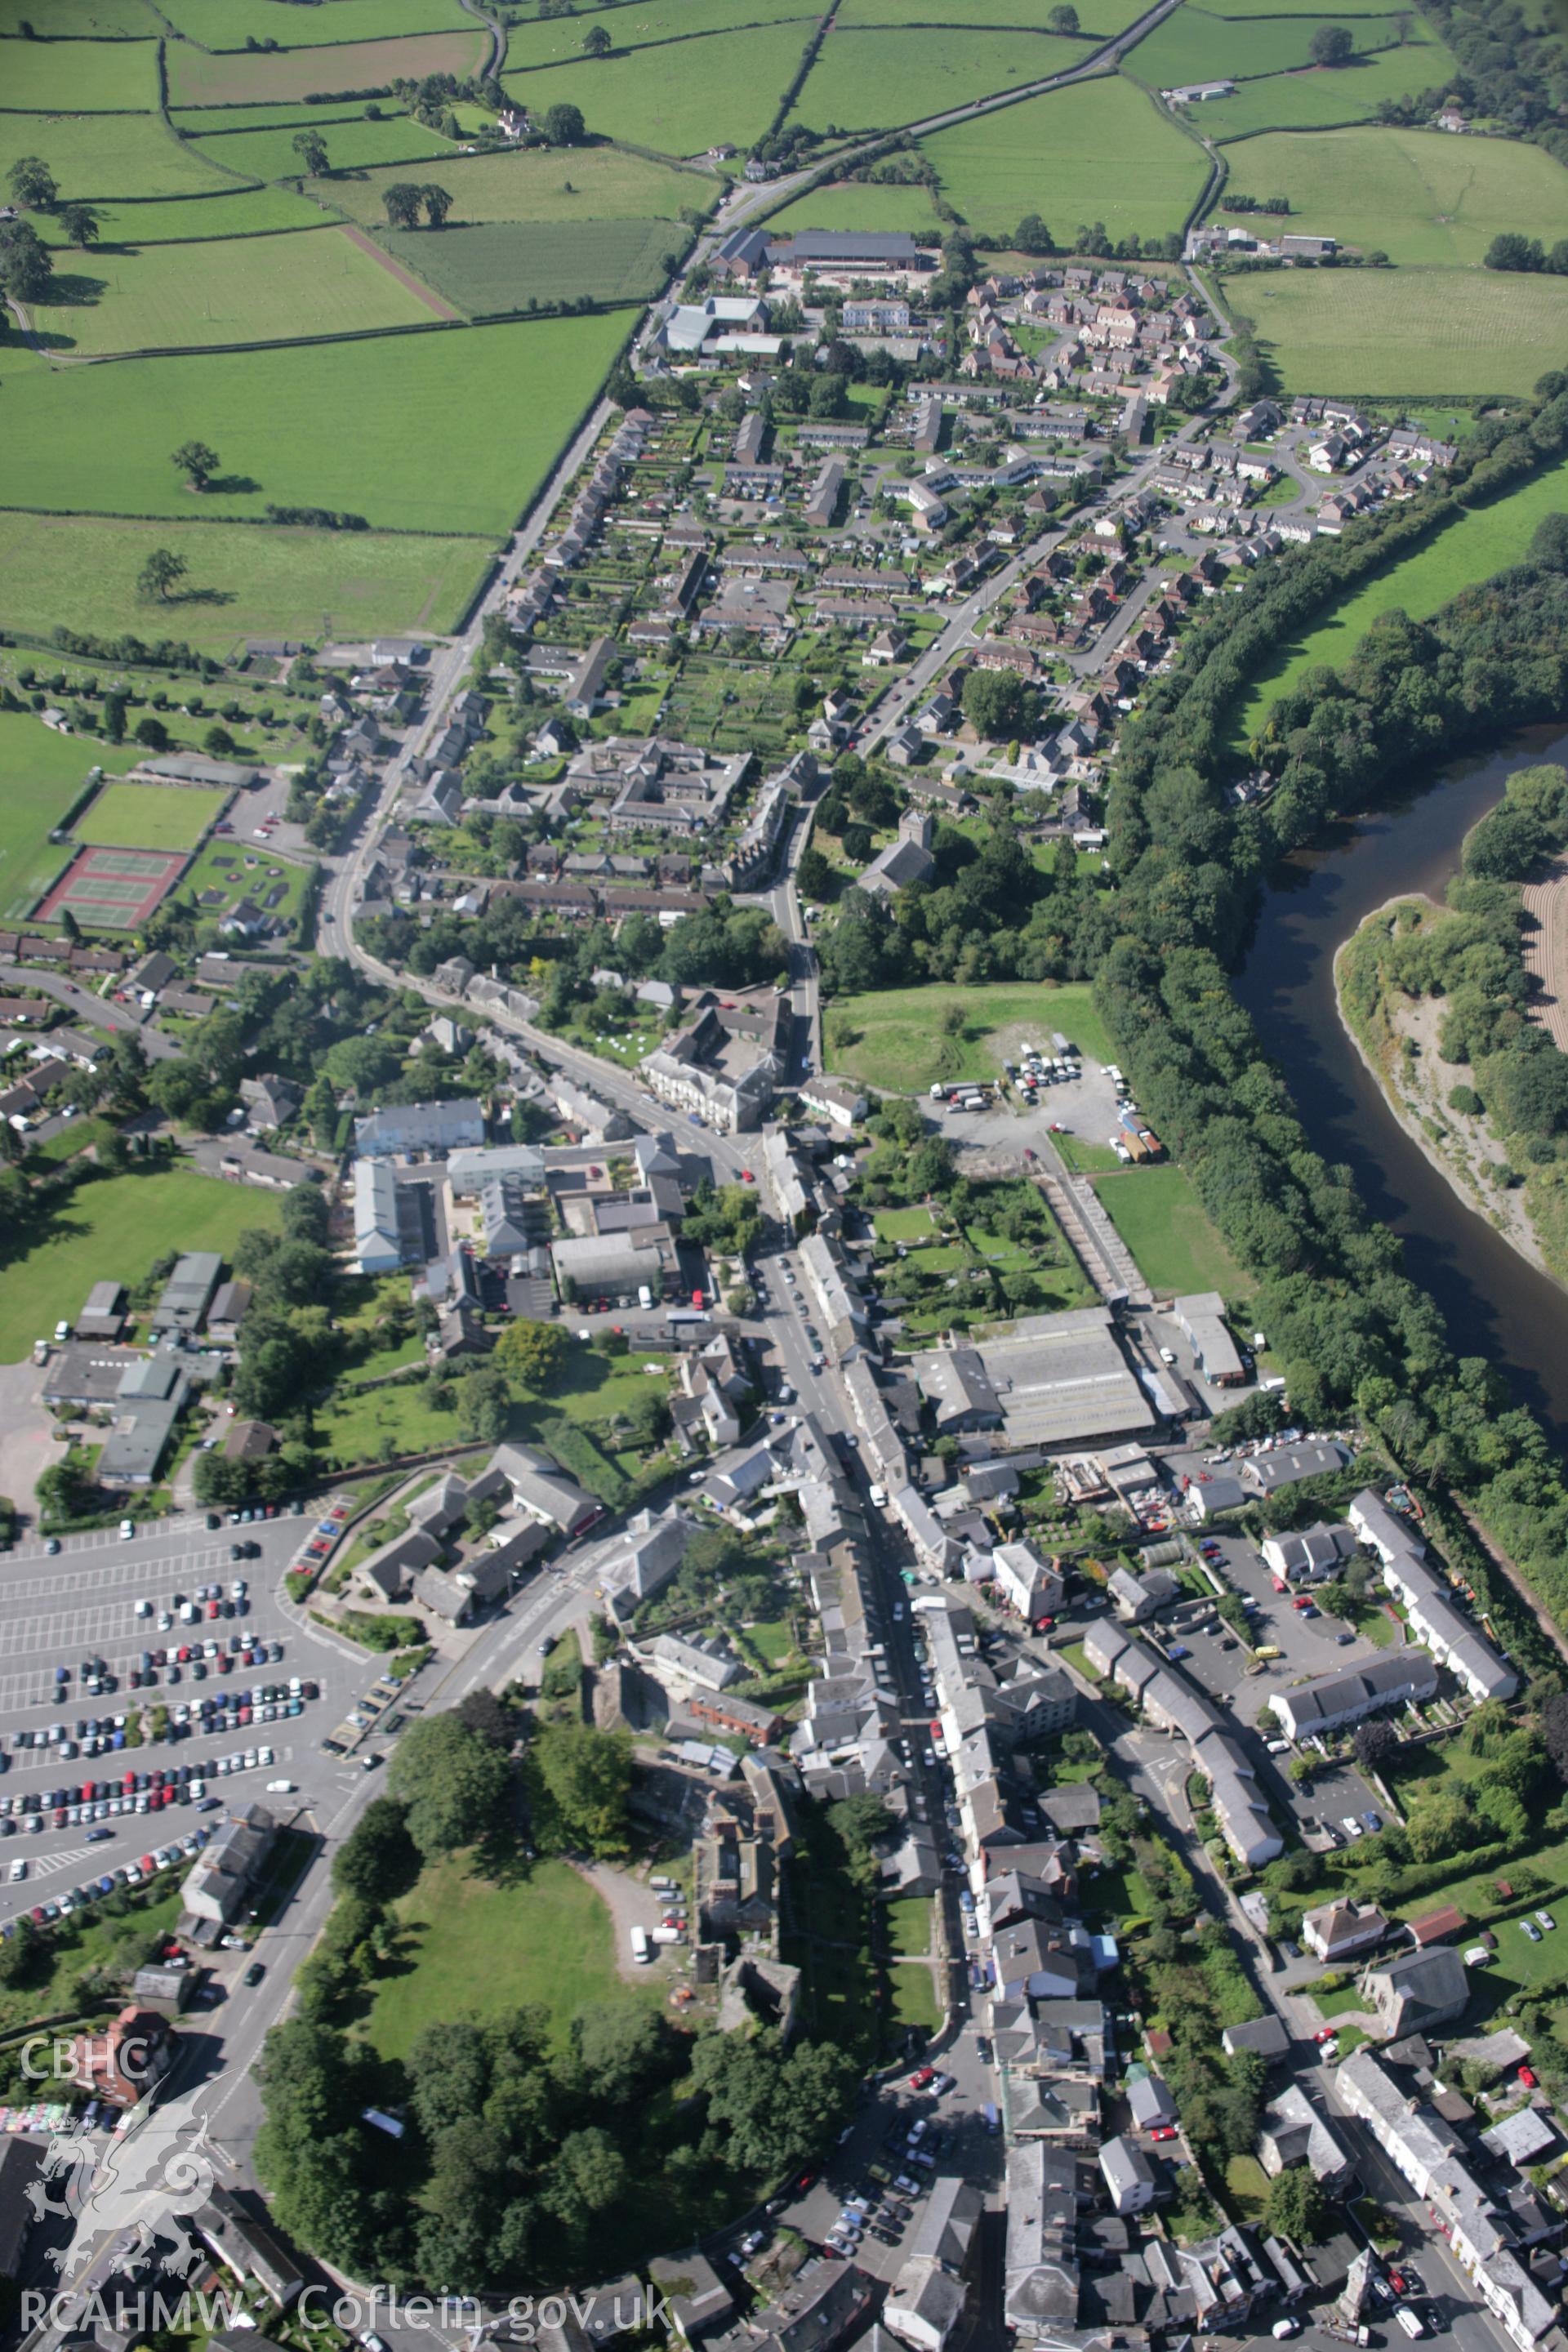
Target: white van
1410, 2321
642, 1950
645, 1296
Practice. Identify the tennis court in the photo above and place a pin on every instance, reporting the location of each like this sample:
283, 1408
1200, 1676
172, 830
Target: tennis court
112, 889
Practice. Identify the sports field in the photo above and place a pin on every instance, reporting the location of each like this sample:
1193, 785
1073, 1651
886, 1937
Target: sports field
496, 402
112, 889
855, 203
1194, 46
678, 100
597, 184
91, 78
635, 23
266, 152
179, 220
149, 816
499, 266
1420, 197
1322, 95
41, 774
97, 157
224, 24
1165, 1226
314, 282
894, 1038
1469, 550
1416, 331
196, 78
1101, 150
873, 81
124, 1224
80, 573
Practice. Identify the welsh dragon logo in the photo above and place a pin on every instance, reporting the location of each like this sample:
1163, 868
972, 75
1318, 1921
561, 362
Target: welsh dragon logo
157, 2165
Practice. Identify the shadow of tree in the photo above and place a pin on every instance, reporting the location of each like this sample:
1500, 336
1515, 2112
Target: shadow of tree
233, 486
71, 290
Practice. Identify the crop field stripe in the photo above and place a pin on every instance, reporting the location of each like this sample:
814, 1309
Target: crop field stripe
405, 275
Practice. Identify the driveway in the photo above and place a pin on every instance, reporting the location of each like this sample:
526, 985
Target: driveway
632, 1903
27, 1440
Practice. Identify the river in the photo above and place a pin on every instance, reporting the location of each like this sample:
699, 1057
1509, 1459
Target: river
1495, 1302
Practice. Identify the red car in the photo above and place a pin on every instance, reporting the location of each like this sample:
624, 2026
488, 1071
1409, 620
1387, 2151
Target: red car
1326, 2033
922, 2077
1280, 1585
1527, 2077
1163, 2131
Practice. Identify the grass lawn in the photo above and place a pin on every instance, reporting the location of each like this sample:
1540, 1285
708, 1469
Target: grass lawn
556, 40
477, 1948
89, 1940
1164, 1223
1417, 332
904, 1225
224, 24
1468, 548
82, 19
226, 872
178, 220
494, 267
266, 152
1337, 2004
1194, 46
679, 99
80, 573
1083, 1156
1421, 196
1102, 151
489, 406
1326, 94
250, 79
1248, 2186
900, 1044
909, 1926
149, 816
41, 774
875, 78
118, 1226
313, 282
91, 78
914, 1999
591, 1389
596, 185
850, 203
107, 156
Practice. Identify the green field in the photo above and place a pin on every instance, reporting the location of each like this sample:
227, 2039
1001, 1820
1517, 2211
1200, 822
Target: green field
498, 402
501, 266
98, 157
1097, 18
1420, 197
202, 122
84, 19
225, 872
901, 1045
679, 99
873, 81
123, 1223
1164, 1223
1416, 331
196, 78
479, 1948
177, 220
88, 78
1323, 94
855, 203
41, 774
267, 151
598, 183
1193, 46
79, 572
636, 22
224, 24
314, 282
148, 816
1469, 549
1099, 152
